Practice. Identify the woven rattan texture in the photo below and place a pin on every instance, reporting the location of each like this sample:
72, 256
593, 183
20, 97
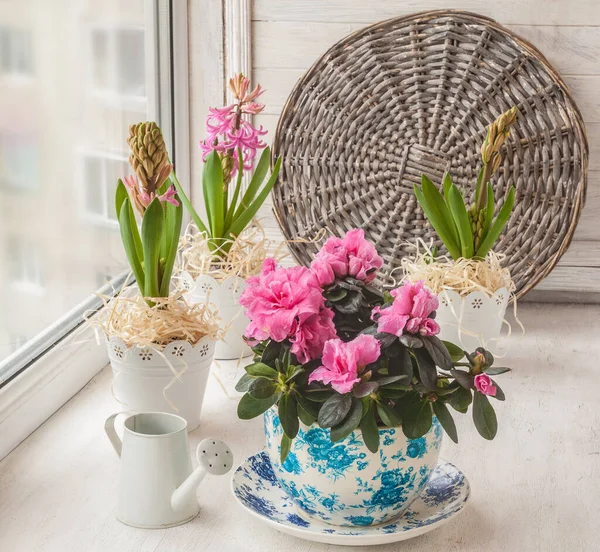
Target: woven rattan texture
414, 95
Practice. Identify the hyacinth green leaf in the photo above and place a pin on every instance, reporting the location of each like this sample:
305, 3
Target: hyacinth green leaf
152, 230
484, 416
461, 219
173, 222
349, 424
436, 202
257, 179
498, 224
447, 184
286, 444
246, 216
126, 223
479, 183
120, 196
445, 418
236, 194
212, 186
188, 205
489, 211
368, 427
446, 237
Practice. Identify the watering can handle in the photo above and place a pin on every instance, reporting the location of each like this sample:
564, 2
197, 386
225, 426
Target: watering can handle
111, 432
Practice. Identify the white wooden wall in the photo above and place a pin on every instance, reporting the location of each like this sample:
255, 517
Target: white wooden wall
287, 36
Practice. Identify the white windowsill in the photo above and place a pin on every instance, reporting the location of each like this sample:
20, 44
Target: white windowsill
534, 488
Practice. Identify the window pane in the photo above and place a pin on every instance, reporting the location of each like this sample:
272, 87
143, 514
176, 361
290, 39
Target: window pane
62, 148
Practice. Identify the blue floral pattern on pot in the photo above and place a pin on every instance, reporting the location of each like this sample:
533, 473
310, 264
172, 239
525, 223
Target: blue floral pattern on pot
345, 484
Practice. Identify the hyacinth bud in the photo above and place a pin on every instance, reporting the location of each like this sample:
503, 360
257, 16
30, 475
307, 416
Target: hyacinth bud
228, 166
497, 133
149, 158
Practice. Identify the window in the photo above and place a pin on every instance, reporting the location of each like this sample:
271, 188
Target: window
19, 161
101, 172
16, 56
63, 148
115, 68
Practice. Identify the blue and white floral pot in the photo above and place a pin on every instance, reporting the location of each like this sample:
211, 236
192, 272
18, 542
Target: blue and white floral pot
344, 483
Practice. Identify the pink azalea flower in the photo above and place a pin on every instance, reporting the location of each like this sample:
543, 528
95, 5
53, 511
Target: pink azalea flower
343, 362
287, 303
485, 385
351, 255
410, 311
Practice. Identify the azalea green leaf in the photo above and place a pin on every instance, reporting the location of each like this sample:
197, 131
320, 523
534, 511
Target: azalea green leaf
258, 369
388, 415
305, 417
460, 399
368, 427
456, 353
427, 370
262, 388
288, 415
349, 424
286, 445
484, 416
445, 418
244, 383
334, 410
249, 407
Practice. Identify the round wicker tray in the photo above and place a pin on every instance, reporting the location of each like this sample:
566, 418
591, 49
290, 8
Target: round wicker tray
414, 95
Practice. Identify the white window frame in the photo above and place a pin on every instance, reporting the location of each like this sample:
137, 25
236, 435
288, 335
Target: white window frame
14, 74
61, 360
31, 281
18, 184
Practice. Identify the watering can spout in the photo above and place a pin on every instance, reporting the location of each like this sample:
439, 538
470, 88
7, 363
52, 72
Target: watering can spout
187, 490
214, 457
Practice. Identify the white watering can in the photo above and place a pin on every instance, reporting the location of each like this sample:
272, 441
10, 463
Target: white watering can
157, 485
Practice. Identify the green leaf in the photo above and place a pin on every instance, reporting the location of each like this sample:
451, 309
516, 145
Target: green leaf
120, 196
308, 406
173, 221
318, 395
271, 352
238, 186
499, 393
262, 388
484, 416
188, 205
461, 219
152, 230
335, 294
305, 417
288, 415
456, 353
212, 186
126, 225
239, 223
258, 369
334, 410
445, 418
257, 179
249, 407
411, 341
365, 388
478, 186
286, 444
243, 383
440, 228
297, 371
369, 429
438, 205
498, 225
460, 400
463, 378
349, 424
401, 365
427, 370
388, 415
447, 184
496, 370
438, 352
417, 421
489, 211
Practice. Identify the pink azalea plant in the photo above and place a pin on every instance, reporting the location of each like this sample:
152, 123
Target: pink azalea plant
333, 349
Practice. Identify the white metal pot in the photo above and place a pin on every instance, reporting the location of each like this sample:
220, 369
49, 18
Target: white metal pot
225, 296
473, 320
172, 380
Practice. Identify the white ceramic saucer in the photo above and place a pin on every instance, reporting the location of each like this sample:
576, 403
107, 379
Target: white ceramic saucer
255, 486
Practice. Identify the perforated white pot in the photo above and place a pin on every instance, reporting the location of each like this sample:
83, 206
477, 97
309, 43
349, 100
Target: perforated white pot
473, 320
145, 379
225, 296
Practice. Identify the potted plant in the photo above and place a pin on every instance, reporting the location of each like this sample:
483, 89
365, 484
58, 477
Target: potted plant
159, 346
355, 385
219, 254
473, 286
